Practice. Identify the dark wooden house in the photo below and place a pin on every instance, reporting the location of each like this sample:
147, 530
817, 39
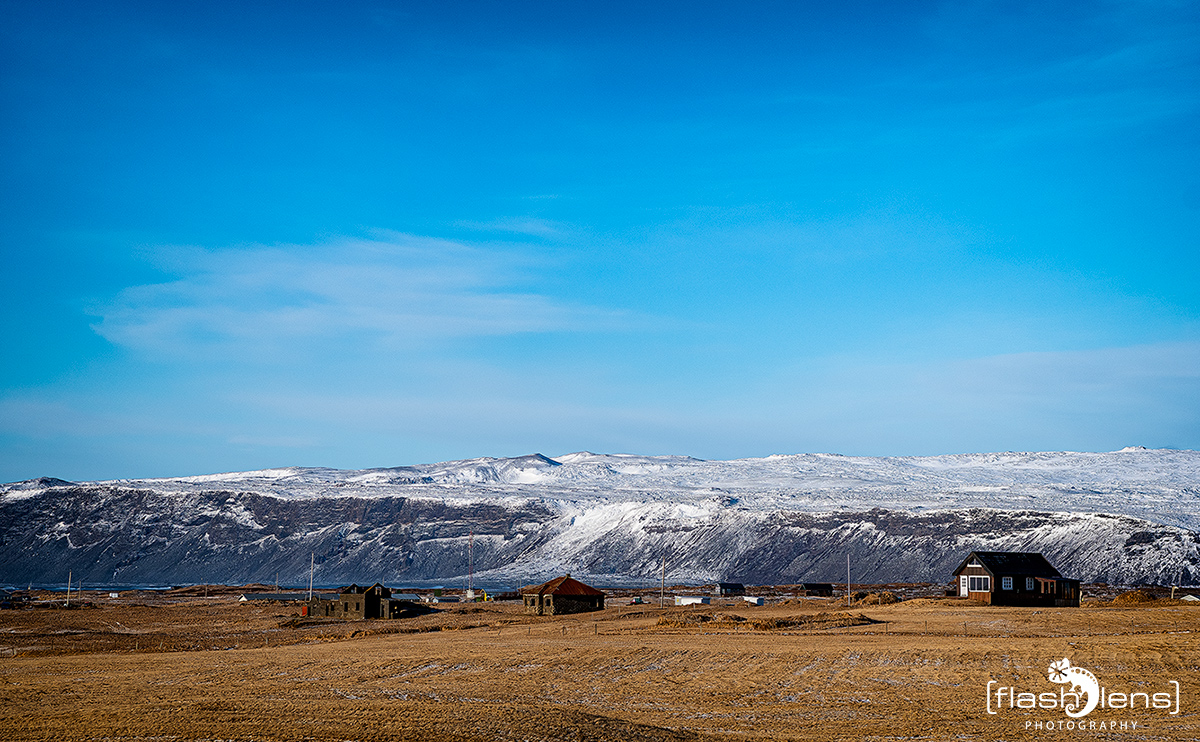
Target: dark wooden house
816, 589
729, 588
356, 602
561, 595
1014, 578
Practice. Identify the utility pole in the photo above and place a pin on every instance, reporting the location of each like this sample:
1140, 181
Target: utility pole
471, 565
69, 573
662, 589
312, 561
847, 579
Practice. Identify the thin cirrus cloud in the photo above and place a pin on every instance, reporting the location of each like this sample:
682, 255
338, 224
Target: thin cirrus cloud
530, 226
388, 291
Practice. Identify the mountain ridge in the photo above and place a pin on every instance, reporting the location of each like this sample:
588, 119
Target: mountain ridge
1126, 516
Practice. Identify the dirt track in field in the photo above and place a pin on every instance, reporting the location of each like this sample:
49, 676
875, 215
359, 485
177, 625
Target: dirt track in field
210, 669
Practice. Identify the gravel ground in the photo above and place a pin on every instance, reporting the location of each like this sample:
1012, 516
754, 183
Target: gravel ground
185, 667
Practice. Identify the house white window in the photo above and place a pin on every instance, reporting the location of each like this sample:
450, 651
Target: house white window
1029, 584
979, 584
1006, 583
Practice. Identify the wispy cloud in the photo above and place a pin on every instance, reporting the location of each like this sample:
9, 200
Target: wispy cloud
388, 291
530, 226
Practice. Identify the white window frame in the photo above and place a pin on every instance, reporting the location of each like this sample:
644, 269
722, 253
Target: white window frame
979, 584
1006, 583
1029, 583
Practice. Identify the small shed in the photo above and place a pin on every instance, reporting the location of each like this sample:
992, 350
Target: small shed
729, 588
692, 600
817, 589
1016, 578
753, 599
561, 595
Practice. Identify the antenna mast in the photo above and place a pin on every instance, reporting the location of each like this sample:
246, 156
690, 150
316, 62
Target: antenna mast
312, 561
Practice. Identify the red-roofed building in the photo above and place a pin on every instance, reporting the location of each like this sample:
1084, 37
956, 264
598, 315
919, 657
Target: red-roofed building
561, 595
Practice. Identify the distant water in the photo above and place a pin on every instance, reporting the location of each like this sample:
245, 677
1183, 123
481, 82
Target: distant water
121, 586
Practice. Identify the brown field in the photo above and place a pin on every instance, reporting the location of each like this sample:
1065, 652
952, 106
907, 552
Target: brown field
181, 666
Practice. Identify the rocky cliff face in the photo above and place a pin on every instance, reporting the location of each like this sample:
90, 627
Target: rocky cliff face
613, 520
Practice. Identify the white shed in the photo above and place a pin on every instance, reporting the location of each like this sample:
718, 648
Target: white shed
692, 600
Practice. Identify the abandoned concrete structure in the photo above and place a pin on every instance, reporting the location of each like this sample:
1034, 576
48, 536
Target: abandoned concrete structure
561, 595
356, 602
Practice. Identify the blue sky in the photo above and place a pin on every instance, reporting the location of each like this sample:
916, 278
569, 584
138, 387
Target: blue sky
373, 233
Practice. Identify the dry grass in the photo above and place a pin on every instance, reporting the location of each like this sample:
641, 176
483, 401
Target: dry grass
911, 670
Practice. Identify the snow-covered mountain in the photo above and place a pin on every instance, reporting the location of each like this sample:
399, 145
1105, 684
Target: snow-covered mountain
1126, 516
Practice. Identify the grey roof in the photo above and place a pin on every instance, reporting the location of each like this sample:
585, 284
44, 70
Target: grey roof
1015, 563
286, 596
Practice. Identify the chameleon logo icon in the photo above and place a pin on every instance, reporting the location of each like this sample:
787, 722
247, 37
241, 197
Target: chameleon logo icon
1081, 681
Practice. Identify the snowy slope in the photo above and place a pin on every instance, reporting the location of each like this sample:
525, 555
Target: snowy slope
1158, 485
1123, 516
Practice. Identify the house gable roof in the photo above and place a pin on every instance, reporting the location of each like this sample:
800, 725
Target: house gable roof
355, 589
565, 585
1014, 563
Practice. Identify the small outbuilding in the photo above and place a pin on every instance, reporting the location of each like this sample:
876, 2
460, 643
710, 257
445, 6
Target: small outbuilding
816, 589
1015, 578
692, 600
729, 588
561, 595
